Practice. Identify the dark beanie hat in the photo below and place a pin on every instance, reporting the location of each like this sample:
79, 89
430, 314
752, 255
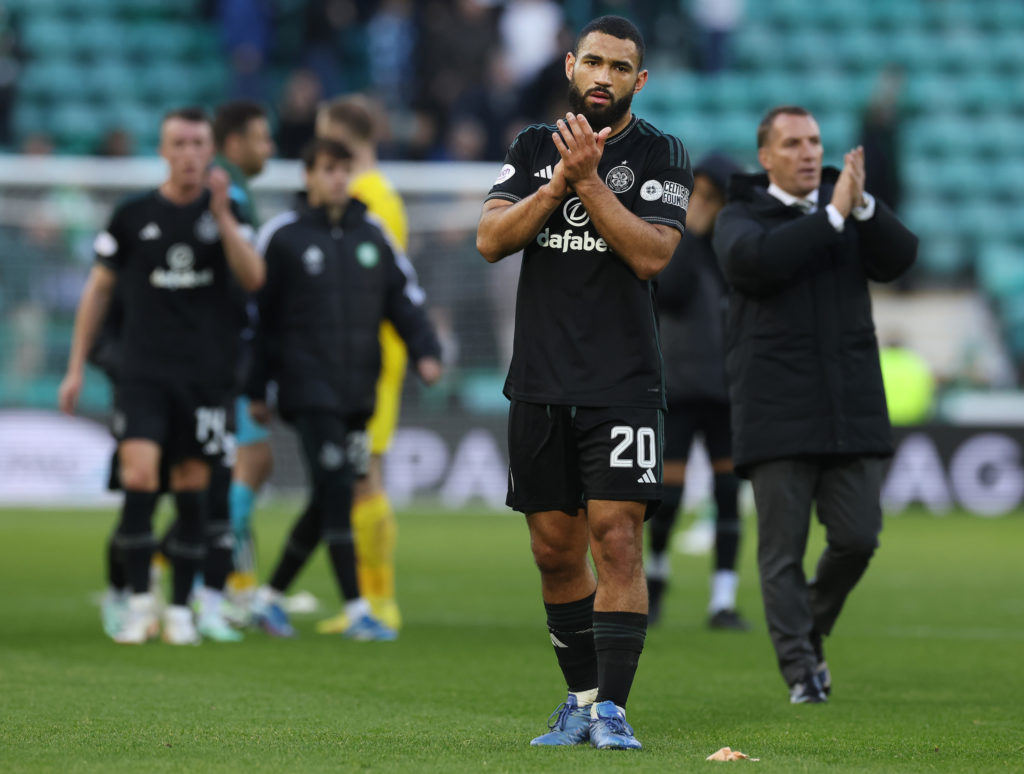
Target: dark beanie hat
718, 168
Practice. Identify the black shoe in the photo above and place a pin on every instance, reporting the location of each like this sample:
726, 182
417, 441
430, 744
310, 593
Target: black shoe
728, 619
807, 690
655, 591
821, 670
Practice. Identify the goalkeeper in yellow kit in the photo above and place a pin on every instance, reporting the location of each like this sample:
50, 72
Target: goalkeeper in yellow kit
350, 120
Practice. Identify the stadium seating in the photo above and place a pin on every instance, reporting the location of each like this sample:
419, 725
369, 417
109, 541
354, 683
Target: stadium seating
94, 64
99, 64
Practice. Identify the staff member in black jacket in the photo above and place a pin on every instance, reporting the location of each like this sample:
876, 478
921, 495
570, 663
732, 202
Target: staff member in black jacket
692, 299
798, 246
332, 277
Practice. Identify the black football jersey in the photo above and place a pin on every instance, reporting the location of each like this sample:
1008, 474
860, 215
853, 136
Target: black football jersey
181, 303
586, 333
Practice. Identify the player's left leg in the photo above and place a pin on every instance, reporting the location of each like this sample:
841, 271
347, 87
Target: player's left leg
211, 604
620, 615
187, 547
620, 452
373, 518
336, 452
848, 500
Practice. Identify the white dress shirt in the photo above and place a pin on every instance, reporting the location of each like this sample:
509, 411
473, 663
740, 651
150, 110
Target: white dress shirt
834, 216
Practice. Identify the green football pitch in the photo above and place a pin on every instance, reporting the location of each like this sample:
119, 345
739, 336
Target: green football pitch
927, 662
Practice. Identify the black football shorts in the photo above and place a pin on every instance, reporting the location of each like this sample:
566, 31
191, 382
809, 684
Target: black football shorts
562, 456
709, 418
187, 421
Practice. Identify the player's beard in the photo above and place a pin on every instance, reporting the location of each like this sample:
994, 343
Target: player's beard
599, 117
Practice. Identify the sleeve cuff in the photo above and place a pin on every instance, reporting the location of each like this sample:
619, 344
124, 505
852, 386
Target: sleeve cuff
835, 218
867, 212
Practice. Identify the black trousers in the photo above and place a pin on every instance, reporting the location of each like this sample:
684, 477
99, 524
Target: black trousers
846, 491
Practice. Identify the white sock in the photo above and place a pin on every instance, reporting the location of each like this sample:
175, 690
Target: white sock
141, 602
585, 698
210, 600
356, 609
179, 613
658, 566
723, 590
267, 596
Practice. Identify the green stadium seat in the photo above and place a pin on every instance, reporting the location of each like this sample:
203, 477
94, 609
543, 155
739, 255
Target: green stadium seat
942, 134
755, 44
931, 215
891, 16
856, 50
933, 91
1000, 269
50, 80
987, 220
111, 80
44, 36
729, 91
102, 37
29, 119
77, 126
211, 81
943, 255
163, 40
998, 136
165, 84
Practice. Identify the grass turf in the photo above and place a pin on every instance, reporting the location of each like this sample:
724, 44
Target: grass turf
928, 664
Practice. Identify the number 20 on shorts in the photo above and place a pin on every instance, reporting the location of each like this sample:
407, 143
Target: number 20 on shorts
646, 447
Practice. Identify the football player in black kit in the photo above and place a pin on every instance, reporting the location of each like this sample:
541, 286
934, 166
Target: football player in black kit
597, 203
332, 277
172, 251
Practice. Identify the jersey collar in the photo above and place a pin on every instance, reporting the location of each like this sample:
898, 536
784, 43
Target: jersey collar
629, 128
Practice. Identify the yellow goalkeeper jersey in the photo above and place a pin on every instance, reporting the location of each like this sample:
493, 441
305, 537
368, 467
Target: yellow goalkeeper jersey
382, 200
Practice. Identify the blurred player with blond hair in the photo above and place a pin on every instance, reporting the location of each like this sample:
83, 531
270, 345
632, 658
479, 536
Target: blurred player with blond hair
352, 121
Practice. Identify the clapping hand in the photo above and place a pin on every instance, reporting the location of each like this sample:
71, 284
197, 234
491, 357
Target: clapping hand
849, 190
580, 146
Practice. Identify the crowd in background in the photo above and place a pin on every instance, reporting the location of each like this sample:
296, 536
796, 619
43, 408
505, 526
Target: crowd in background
455, 80
457, 77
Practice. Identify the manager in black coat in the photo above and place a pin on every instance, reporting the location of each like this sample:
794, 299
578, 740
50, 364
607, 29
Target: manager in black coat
797, 246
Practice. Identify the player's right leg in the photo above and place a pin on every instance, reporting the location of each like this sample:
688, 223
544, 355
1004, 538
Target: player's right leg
559, 544
717, 431
253, 464
140, 461
544, 484
679, 433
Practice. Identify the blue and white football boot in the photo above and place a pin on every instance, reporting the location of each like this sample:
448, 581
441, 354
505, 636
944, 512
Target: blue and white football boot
569, 724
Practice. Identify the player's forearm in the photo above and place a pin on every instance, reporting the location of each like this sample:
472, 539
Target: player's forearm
245, 263
642, 246
92, 308
506, 229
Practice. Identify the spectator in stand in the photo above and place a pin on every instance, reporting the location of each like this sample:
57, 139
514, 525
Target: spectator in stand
456, 40
246, 35
390, 43
716, 19
880, 136
297, 117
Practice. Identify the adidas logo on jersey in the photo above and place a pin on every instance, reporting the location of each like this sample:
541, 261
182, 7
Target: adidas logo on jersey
150, 232
647, 478
544, 174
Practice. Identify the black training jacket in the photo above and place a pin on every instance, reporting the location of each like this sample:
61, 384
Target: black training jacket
802, 357
327, 290
692, 297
